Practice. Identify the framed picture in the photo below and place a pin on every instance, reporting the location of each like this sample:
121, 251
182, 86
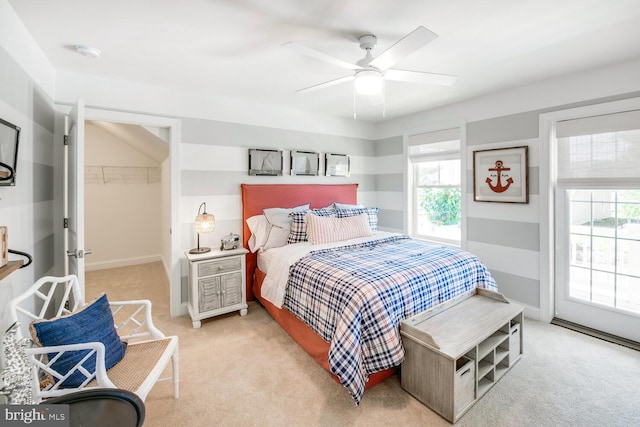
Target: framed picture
9, 139
265, 162
336, 165
500, 175
304, 163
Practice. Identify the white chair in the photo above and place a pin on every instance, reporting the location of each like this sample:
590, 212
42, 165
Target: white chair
147, 355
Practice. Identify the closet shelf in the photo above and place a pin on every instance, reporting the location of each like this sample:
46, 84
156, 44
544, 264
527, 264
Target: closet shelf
121, 174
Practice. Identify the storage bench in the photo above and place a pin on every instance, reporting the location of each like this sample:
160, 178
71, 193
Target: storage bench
455, 352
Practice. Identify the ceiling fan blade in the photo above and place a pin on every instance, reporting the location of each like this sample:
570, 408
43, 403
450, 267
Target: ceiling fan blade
420, 77
321, 56
326, 84
404, 47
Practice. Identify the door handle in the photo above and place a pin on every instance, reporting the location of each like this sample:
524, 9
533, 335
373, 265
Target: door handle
78, 253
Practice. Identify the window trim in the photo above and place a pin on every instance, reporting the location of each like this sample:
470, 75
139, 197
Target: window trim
410, 193
416, 188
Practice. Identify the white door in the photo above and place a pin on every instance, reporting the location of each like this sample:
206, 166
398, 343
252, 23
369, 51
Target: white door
75, 196
598, 220
598, 274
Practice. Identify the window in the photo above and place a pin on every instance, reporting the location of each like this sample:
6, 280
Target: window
599, 209
604, 247
436, 192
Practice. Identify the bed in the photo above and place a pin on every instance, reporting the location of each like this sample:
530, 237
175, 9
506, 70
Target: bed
354, 337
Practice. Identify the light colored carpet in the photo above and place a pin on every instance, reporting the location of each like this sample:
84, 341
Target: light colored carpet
246, 371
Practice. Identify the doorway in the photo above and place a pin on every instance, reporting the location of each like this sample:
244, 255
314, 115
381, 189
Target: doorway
123, 209
592, 236
169, 226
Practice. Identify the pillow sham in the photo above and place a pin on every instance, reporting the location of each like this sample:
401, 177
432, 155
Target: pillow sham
92, 323
259, 227
298, 231
280, 225
329, 229
372, 215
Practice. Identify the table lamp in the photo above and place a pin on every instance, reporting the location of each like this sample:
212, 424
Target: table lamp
205, 223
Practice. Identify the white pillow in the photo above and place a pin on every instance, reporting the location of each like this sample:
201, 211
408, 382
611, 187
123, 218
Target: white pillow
329, 229
280, 225
337, 205
259, 227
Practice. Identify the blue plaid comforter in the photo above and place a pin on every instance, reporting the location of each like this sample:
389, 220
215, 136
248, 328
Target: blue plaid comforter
355, 297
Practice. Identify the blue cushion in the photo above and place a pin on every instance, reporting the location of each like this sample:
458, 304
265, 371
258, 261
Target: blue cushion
92, 323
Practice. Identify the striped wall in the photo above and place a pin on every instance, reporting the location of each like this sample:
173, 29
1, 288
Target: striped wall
506, 236
390, 178
214, 162
28, 209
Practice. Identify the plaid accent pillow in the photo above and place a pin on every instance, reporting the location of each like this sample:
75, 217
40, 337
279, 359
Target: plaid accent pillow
298, 231
372, 215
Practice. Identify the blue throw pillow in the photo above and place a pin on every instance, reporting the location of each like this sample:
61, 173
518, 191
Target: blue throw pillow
93, 322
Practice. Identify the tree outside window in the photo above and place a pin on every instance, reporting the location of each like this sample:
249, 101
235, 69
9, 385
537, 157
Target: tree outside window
438, 198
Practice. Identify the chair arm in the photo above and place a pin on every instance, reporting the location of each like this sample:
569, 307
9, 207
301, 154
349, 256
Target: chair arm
138, 322
43, 358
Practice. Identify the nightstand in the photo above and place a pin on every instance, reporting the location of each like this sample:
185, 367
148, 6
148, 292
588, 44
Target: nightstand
216, 283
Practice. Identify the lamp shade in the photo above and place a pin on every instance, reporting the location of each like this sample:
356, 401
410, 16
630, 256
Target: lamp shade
368, 82
205, 223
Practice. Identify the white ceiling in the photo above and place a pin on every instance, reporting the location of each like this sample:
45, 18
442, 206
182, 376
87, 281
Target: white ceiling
232, 48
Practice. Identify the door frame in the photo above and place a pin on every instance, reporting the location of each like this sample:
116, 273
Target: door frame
74, 153
173, 269
548, 167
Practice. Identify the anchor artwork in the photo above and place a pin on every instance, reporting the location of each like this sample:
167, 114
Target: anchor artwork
500, 175
501, 171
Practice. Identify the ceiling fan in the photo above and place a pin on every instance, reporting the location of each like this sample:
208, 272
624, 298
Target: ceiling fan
370, 72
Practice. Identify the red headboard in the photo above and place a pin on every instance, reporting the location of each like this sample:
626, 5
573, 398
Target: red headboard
256, 197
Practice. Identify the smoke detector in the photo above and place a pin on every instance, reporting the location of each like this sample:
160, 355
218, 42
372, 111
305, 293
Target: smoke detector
89, 51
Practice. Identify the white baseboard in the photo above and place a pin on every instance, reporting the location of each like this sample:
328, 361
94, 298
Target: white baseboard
121, 262
167, 271
529, 311
184, 310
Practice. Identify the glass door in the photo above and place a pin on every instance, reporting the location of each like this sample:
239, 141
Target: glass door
598, 260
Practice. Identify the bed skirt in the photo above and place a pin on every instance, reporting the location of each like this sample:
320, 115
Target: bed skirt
304, 335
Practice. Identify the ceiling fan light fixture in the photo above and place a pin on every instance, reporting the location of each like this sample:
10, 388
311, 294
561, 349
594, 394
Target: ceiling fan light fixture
368, 82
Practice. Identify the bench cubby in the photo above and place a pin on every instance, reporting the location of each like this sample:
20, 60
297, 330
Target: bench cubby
455, 352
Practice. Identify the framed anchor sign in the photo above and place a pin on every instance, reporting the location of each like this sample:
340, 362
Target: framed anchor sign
500, 175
